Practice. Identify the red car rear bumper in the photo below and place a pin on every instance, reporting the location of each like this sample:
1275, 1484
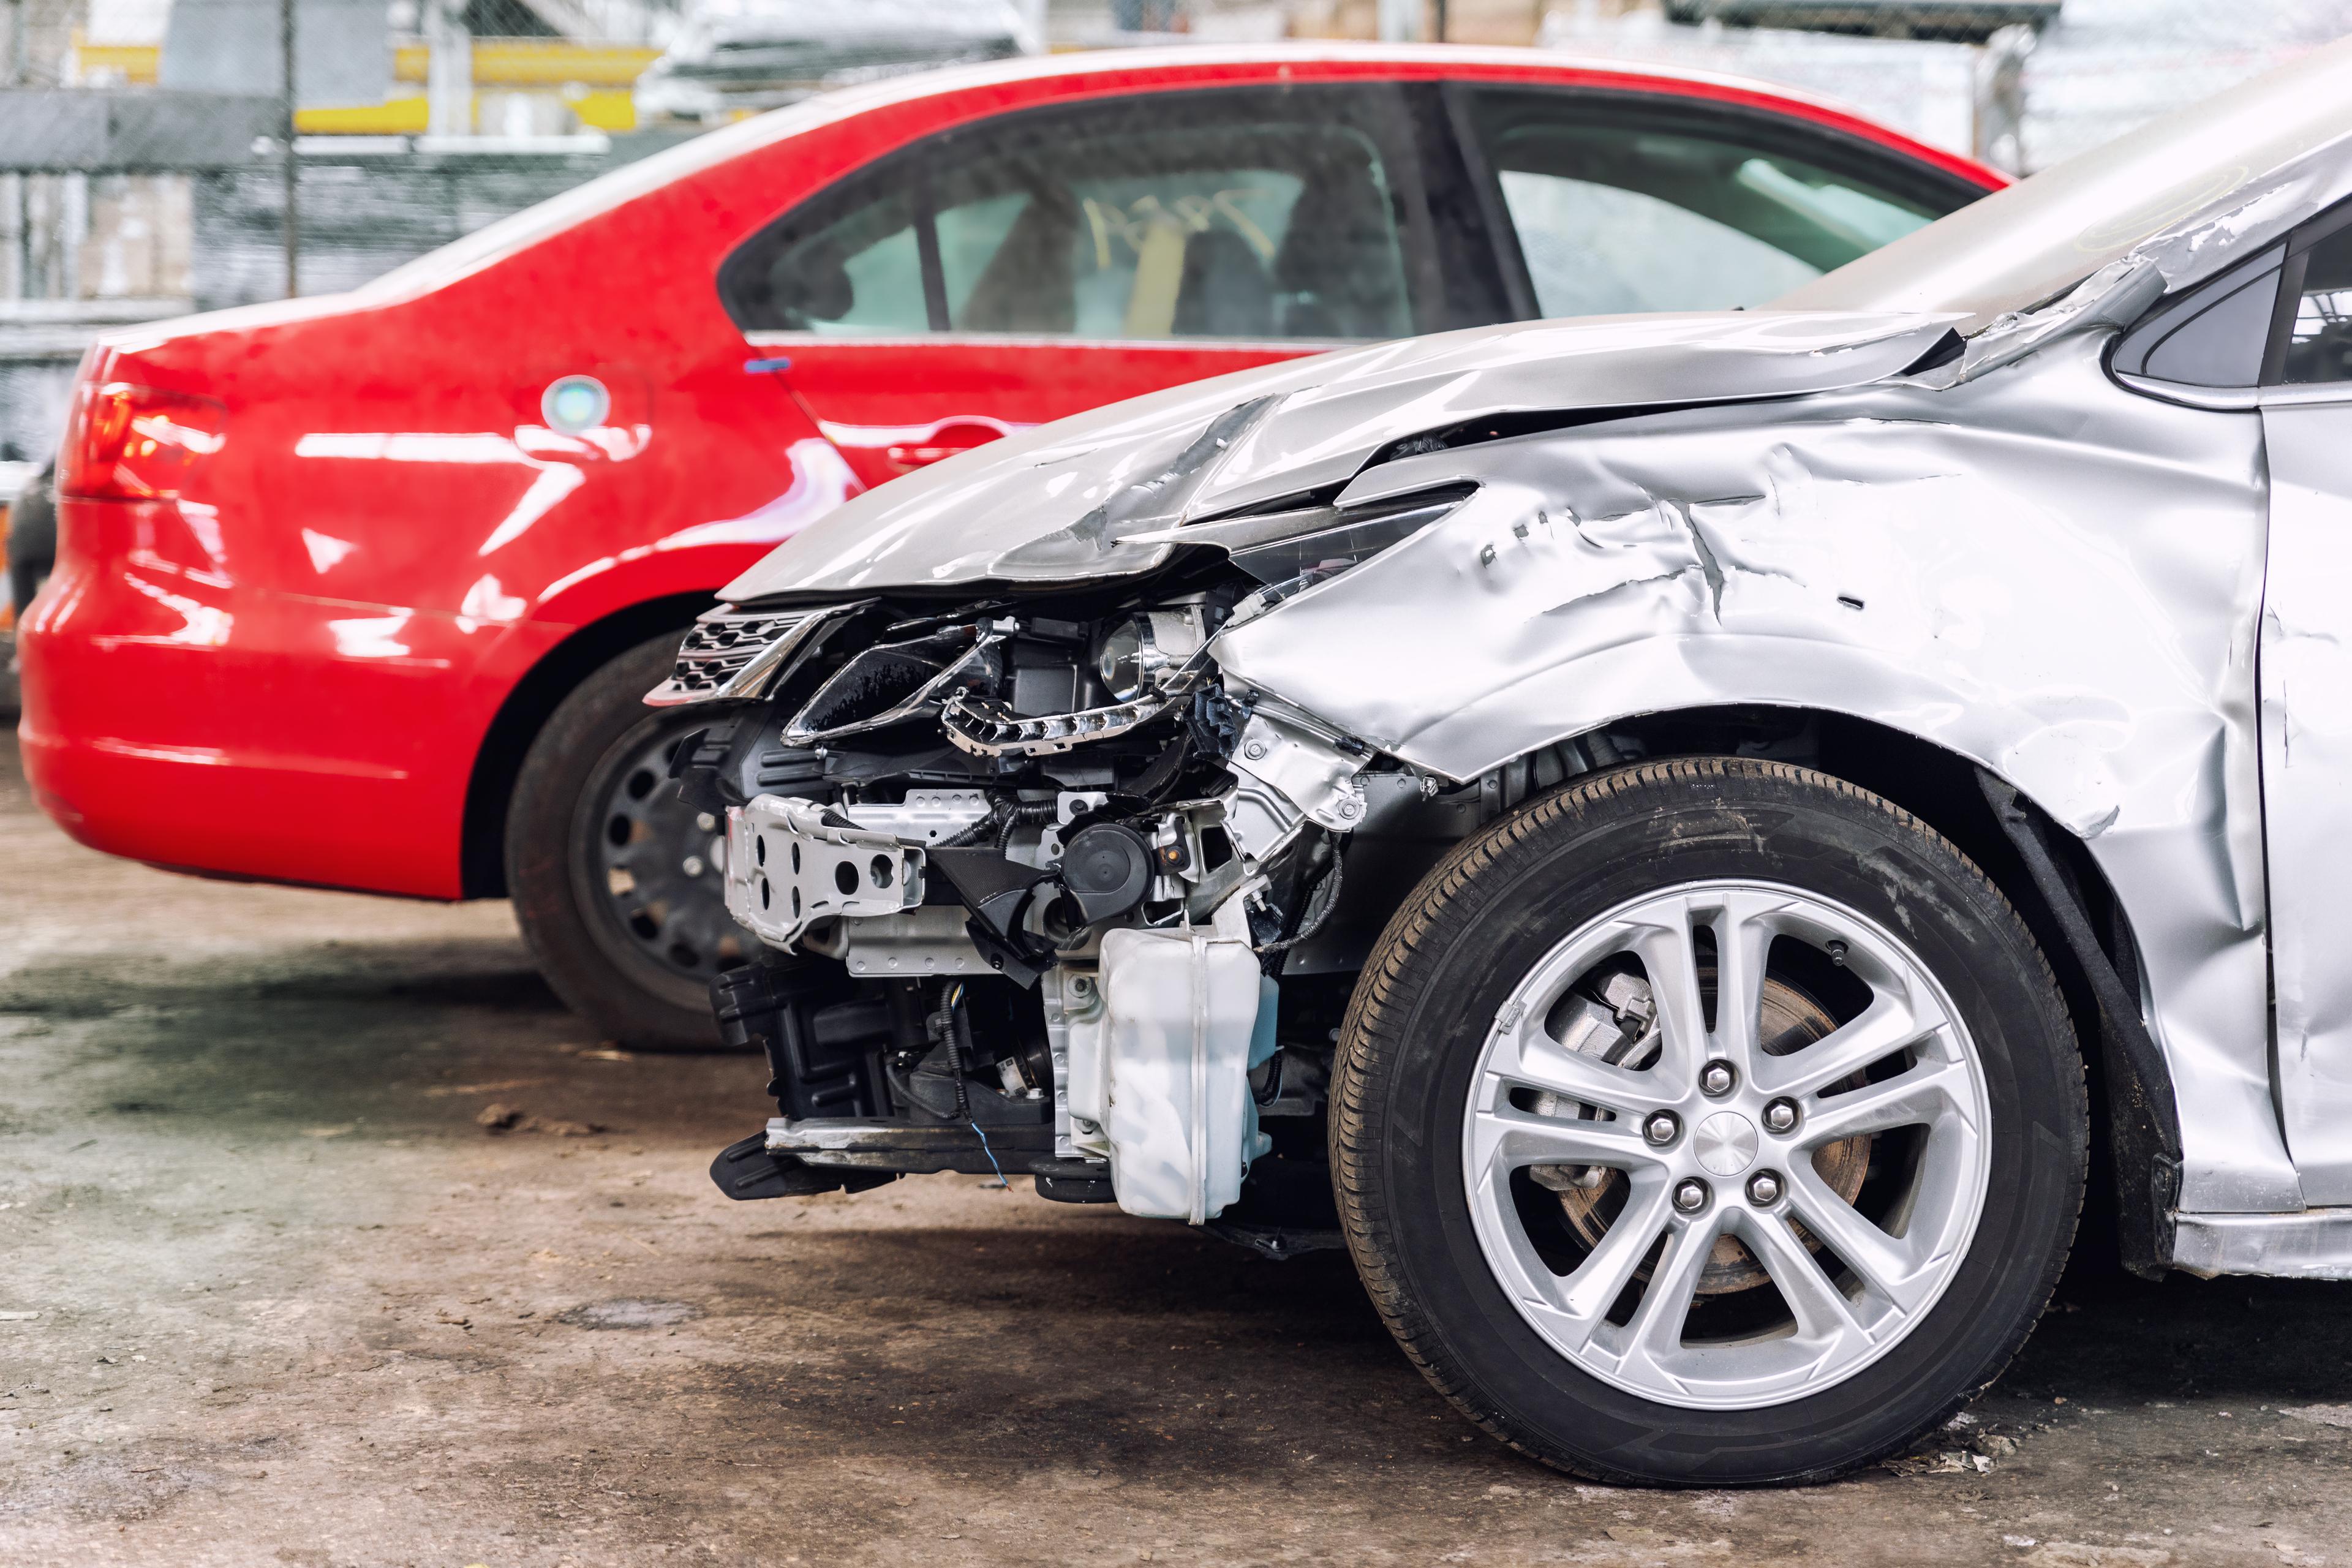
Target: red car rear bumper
173, 717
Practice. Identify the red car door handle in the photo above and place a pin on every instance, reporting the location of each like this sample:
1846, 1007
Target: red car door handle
945, 440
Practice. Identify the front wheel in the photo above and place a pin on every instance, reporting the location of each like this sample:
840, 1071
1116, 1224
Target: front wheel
1710, 1122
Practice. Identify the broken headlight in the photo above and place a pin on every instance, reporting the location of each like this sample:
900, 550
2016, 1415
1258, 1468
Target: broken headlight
1127, 657
1140, 653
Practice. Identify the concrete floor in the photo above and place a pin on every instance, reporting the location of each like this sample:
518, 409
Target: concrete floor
269, 1294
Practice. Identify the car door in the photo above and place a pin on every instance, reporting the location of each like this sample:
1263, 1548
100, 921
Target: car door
2305, 675
1614, 201
1036, 265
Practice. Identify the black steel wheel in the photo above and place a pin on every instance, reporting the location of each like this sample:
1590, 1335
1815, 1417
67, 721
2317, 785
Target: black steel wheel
616, 882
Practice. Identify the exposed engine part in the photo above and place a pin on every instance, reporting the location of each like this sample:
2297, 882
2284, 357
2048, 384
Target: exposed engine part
999, 891
988, 728
822, 1041
927, 941
1159, 1057
1107, 871
1140, 653
1319, 913
926, 816
1315, 770
1016, 817
1107, 860
789, 864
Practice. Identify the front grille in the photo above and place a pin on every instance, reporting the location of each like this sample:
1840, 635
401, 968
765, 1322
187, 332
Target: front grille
721, 645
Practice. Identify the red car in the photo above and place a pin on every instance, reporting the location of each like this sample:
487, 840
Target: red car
346, 586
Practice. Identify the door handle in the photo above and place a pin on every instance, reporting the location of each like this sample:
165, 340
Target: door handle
945, 440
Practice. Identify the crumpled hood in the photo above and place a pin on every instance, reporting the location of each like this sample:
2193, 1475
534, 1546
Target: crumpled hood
1055, 503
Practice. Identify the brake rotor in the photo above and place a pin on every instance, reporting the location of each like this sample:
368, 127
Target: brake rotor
1791, 1020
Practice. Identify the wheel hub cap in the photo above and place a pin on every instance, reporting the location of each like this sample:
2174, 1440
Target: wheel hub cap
1725, 1144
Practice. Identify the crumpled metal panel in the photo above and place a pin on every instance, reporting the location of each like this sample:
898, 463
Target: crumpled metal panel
2043, 573
2316, 1244
1026, 508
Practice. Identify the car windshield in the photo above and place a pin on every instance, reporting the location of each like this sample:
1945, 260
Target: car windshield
2042, 235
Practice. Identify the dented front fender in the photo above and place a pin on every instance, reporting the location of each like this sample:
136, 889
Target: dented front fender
2042, 573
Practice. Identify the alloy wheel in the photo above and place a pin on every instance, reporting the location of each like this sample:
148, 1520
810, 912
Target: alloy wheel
1727, 1144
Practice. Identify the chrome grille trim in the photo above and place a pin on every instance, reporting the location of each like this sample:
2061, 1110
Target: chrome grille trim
731, 655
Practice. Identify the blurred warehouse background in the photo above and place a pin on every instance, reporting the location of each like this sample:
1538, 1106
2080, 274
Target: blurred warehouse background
145, 166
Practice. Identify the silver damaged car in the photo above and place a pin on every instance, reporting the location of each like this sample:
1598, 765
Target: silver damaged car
1676, 840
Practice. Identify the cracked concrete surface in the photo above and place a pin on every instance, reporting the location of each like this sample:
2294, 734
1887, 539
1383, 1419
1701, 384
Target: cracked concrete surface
269, 1294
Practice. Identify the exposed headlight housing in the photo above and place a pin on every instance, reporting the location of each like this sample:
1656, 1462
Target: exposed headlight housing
1126, 659
1139, 654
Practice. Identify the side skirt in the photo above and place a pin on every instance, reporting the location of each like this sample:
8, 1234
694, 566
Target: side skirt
2316, 1244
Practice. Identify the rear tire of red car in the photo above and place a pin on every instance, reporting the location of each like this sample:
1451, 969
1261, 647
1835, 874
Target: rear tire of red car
616, 882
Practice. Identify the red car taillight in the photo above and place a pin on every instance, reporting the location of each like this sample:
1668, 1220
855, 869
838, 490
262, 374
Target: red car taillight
125, 442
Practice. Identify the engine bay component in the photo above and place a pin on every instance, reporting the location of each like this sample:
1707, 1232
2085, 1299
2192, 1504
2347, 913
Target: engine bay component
892, 682
918, 942
987, 728
789, 864
1159, 1064
1107, 870
748, 1169
1307, 766
928, 816
1138, 653
998, 890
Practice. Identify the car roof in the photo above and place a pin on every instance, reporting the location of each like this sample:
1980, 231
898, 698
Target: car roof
1171, 64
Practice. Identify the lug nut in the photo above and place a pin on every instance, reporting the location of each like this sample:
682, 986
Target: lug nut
1716, 1078
1764, 1187
1781, 1115
1660, 1128
1690, 1195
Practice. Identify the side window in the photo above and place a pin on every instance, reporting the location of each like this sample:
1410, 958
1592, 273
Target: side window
860, 273
2317, 342
2211, 336
1156, 218
1639, 210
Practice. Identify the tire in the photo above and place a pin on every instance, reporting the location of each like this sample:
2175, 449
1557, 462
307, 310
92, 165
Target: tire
32, 542
1431, 1119
602, 862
